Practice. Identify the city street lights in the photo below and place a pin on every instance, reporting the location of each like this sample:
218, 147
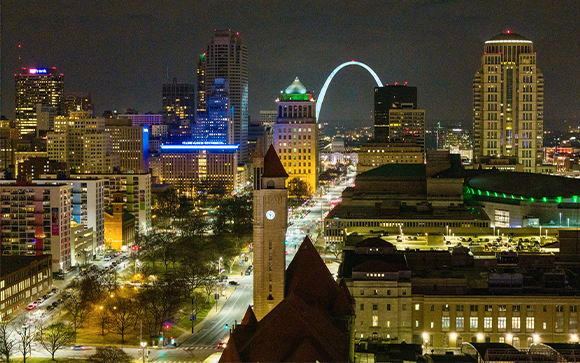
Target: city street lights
143, 345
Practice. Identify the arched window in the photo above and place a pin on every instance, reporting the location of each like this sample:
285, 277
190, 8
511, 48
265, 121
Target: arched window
270, 184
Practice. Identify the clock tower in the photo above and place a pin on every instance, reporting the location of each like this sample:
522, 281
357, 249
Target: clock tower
270, 223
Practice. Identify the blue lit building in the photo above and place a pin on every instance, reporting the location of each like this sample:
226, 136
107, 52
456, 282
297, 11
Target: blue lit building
214, 125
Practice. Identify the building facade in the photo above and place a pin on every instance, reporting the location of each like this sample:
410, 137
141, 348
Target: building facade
215, 124
193, 168
131, 143
407, 126
34, 86
508, 101
226, 57
73, 103
143, 119
295, 134
22, 280
373, 155
35, 220
178, 109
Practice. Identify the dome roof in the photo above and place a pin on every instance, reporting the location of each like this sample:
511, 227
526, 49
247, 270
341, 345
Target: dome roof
508, 36
296, 88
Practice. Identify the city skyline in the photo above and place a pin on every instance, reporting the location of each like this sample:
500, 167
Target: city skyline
149, 52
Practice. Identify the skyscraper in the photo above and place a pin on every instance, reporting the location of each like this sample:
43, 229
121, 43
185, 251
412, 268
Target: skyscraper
296, 134
34, 86
215, 124
227, 57
178, 108
508, 101
387, 98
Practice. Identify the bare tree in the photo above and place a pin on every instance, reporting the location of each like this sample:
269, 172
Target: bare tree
110, 355
334, 249
26, 334
7, 341
74, 305
123, 312
55, 337
103, 318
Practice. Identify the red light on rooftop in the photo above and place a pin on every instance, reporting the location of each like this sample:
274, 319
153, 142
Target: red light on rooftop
237, 33
395, 83
508, 31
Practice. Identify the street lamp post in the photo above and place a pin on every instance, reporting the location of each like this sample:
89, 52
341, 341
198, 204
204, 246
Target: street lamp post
144, 345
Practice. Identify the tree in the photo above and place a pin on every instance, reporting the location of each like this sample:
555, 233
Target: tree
7, 342
55, 337
110, 355
25, 334
161, 302
334, 249
123, 313
103, 318
299, 188
74, 305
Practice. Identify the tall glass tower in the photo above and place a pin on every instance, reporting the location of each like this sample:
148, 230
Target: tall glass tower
227, 57
508, 102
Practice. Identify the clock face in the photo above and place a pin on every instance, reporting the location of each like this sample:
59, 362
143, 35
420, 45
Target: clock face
270, 214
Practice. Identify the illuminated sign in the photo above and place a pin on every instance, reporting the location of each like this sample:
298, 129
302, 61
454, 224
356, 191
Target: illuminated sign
38, 71
199, 147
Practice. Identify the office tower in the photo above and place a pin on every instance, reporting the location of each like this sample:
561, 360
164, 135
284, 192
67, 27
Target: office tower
8, 144
296, 134
33, 167
215, 125
227, 57
131, 143
268, 117
34, 86
407, 125
81, 142
270, 223
78, 103
30, 227
508, 101
201, 106
140, 119
387, 98
178, 109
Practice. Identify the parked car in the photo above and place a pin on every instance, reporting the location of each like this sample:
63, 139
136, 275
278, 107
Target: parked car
232, 282
30, 306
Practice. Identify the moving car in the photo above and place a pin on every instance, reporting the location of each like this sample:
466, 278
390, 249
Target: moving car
78, 347
221, 345
232, 282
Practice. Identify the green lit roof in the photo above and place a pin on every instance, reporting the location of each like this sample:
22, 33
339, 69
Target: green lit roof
526, 184
296, 88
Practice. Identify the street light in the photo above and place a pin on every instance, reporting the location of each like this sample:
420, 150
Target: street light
143, 344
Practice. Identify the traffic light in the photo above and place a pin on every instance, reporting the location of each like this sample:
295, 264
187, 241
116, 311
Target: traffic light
226, 326
166, 326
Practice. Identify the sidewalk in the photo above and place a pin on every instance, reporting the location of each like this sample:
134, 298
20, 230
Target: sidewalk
212, 312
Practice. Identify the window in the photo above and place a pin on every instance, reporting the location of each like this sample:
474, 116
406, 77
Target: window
404, 307
501, 322
375, 292
445, 307
530, 308
459, 307
488, 308
473, 307
432, 307
487, 322
445, 322
417, 306
573, 308
573, 323
530, 323
502, 339
362, 306
473, 322
516, 323
459, 323
416, 323
559, 323
375, 307
559, 308
388, 306
515, 308
501, 308
375, 320
544, 325
362, 291
516, 342
388, 292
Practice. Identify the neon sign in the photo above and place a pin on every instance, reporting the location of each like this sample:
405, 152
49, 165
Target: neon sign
38, 71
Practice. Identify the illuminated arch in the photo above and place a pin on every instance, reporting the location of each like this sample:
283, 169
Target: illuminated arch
325, 87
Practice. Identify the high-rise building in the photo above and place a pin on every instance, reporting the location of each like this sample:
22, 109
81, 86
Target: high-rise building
508, 101
78, 103
143, 119
268, 117
215, 124
227, 57
270, 223
131, 143
407, 125
387, 98
81, 142
296, 134
35, 220
33, 86
178, 108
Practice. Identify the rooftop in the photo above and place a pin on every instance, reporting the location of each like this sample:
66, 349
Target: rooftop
526, 184
508, 36
296, 88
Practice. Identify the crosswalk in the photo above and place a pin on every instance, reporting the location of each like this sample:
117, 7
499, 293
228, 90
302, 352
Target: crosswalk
202, 347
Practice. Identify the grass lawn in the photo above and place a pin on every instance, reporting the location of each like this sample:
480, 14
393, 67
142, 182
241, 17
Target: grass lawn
90, 334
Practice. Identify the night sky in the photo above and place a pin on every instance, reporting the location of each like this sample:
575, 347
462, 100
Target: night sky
122, 51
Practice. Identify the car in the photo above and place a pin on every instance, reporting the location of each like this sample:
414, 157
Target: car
113, 263
30, 306
54, 291
55, 304
232, 282
35, 303
78, 347
59, 301
107, 258
50, 307
46, 296
248, 272
221, 344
